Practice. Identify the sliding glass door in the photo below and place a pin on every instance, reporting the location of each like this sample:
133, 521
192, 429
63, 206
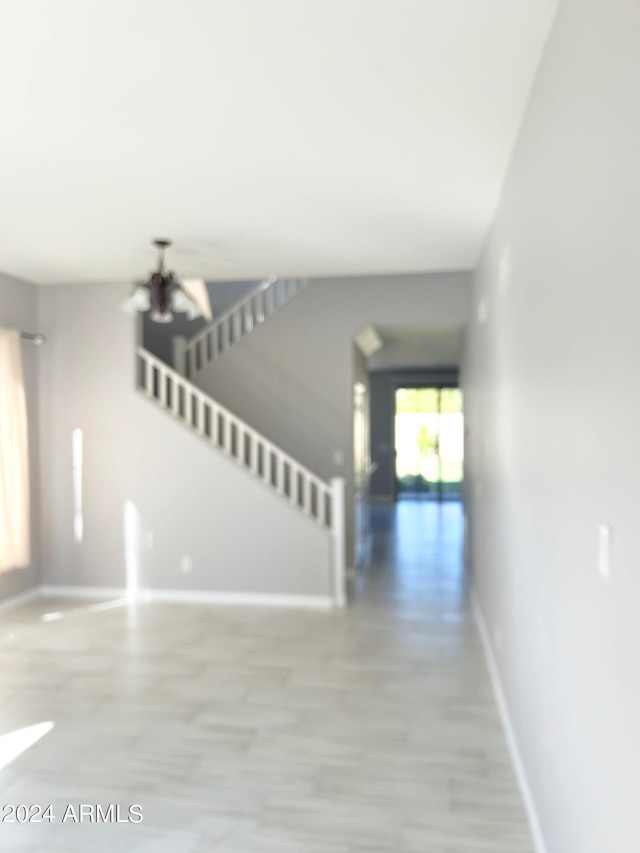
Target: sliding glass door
429, 442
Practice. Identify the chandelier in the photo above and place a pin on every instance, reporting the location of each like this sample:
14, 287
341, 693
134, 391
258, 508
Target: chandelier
163, 294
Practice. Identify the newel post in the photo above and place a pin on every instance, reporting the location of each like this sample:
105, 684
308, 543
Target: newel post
180, 355
338, 539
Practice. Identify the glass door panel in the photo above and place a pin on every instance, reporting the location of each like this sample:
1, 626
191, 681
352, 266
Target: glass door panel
428, 442
451, 442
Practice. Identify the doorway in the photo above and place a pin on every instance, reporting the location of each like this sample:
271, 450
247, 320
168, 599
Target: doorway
361, 472
429, 443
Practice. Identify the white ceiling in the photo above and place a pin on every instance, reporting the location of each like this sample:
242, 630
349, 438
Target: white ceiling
318, 137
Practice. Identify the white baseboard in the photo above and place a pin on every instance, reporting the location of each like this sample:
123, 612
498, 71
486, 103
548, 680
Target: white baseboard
505, 716
180, 596
81, 592
242, 599
21, 598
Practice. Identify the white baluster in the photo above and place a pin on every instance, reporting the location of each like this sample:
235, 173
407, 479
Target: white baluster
200, 408
294, 497
247, 449
266, 463
214, 425
162, 386
147, 377
228, 435
254, 453
306, 494
280, 474
248, 316
175, 397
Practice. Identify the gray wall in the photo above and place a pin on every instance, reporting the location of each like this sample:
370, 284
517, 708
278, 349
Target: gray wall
383, 384
189, 498
292, 378
553, 413
19, 310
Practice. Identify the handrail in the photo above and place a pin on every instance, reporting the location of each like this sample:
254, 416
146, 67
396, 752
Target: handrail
166, 393
238, 321
221, 318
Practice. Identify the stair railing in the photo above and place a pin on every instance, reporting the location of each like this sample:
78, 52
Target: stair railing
192, 356
322, 502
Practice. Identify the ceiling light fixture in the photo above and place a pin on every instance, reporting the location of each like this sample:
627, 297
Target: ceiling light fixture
163, 294
368, 341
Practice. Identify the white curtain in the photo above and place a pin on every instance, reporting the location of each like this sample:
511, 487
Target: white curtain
14, 457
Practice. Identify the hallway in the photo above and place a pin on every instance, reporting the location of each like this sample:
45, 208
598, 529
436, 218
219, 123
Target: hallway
262, 731
415, 558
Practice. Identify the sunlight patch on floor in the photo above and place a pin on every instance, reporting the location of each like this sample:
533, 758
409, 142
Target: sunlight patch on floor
15, 743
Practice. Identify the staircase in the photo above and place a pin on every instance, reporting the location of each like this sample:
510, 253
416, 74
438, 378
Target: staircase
322, 503
190, 357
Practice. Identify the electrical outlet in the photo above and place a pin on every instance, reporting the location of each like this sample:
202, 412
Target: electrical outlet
338, 458
186, 565
483, 311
